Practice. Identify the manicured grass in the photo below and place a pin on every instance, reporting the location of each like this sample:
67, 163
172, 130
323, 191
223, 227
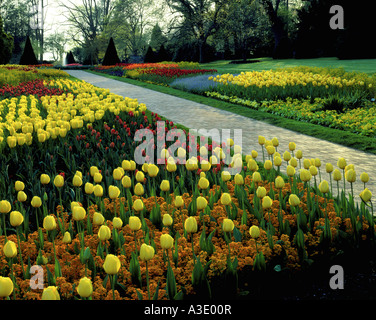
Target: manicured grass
361, 65
348, 139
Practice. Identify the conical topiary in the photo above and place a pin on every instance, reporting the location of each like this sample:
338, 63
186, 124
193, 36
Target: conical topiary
150, 56
28, 56
70, 58
111, 57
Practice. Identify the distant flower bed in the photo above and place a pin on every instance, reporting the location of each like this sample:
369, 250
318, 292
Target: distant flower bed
159, 73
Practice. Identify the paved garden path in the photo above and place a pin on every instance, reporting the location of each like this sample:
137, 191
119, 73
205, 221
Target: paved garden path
199, 116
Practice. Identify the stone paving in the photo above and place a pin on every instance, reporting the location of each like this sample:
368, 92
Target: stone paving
200, 116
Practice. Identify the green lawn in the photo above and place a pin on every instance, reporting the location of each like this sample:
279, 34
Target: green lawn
360, 65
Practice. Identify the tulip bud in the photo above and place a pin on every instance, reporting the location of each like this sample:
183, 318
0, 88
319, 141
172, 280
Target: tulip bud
165, 185
49, 223
341, 163
117, 174
254, 231
6, 287
59, 181
252, 165
270, 150
126, 182
146, 252
85, 287
256, 177
290, 170
134, 223
111, 264
279, 182
324, 186
261, 140
139, 189
225, 176
267, 202
104, 233
299, 154
98, 190
305, 175
226, 199
50, 293
114, 192
97, 177
67, 237
19, 186
179, 202
98, 219
350, 175
89, 188
286, 156
261, 192
117, 222
153, 170
36, 202
5, 206
166, 241
10, 249
77, 181
366, 195
294, 200
140, 176
364, 177
203, 183
268, 165
21, 196
138, 205
201, 203
227, 225
44, 179
277, 161
313, 171
239, 180
16, 218
337, 175
190, 224
93, 170
292, 146
329, 167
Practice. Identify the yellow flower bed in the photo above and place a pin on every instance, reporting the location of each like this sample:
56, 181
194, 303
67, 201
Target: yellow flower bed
22, 116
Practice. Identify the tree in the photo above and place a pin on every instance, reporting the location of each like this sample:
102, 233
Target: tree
55, 43
6, 45
157, 39
70, 58
28, 57
111, 57
37, 12
200, 17
282, 44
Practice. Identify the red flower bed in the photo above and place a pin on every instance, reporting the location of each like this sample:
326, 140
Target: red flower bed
35, 87
173, 72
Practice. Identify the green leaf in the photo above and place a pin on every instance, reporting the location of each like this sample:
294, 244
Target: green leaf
155, 296
237, 235
170, 283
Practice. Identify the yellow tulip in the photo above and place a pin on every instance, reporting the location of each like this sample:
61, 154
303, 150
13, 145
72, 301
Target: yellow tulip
227, 225
201, 203
111, 264
203, 183
36, 202
134, 223
85, 287
78, 213
16, 218
139, 189
341, 163
98, 219
324, 186
165, 185
305, 175
329, 168
267, 202
153, 170
294, 200
239, 180
256, 177
21, 196
77, 181
140, 177
254, 231
146, 252
364, 177
138, 205
45, 179
6, 286
67, 237
166, 241
10, 249
49, 223
113, 192
97, 177
59, 181
350, 175
226, 199
366, 195
179, 202
167, 220
104, 233
279, 182
50, 293
117, 174
190, 224
19, 186
126, 182
337, 175
89, 188
98, 190
268, 165
260, 192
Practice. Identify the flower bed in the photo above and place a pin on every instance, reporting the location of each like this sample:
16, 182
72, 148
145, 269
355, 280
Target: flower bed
76, 206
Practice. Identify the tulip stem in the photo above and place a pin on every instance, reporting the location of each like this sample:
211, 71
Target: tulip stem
19, 252
112, 279
135, 242
147, 279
